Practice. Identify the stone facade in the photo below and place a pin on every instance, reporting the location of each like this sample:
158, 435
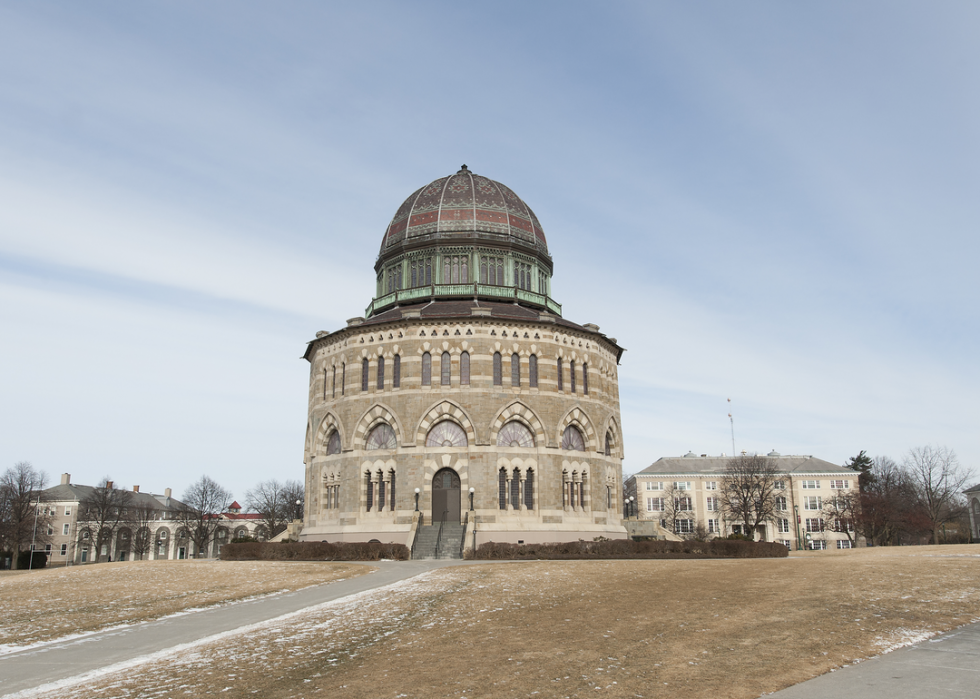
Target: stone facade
471, 390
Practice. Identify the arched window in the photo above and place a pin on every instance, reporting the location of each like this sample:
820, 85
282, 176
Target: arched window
515, 369
529, 489
585, 378
532, 371
396, 372
365, 365
446, 434
502, 489
515, 434
333, 444
391, 488
571, 375
343, 378
464, 271
515, 489
609, 443
561, 376
381, 491
426, 369
370, 490
464, 369
333, 390
497, 370
381, 373
572, 439
446, 368
324, 383
381, 437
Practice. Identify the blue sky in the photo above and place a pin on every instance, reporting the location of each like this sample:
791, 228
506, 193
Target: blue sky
773, 203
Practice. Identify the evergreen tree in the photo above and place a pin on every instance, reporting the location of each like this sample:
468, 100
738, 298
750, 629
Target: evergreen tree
862, 463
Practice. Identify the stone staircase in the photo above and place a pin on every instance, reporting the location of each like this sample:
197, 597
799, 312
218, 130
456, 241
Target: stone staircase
425, 544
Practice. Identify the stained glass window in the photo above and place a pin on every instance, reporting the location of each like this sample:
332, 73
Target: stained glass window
515, 434
381, 437
572, 439
446, 434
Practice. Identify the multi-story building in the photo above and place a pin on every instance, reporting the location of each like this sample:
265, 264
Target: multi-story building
811, 501
463, 396
73, 540
973, 507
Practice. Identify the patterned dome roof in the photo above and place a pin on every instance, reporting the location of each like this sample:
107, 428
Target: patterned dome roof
464, 204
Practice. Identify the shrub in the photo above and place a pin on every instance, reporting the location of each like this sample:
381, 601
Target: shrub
625, 548
24, 560
313, 551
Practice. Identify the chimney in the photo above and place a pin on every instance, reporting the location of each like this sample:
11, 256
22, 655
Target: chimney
65, 479
166, 492
108, 485
136, 489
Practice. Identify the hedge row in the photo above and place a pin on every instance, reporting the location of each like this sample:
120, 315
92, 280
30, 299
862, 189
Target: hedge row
313, 551
625, 548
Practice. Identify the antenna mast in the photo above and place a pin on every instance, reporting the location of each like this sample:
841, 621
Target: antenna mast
732, 421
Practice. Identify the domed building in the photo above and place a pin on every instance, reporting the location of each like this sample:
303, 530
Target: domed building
463, 402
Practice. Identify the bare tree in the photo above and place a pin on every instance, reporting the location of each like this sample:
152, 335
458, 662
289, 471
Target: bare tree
203, 502
276, 502
937, 480
142, 515
843, 512
101, 513
22, 520
748, 491
678, 512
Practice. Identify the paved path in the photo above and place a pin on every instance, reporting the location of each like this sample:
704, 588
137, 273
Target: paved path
31, 668
944, 666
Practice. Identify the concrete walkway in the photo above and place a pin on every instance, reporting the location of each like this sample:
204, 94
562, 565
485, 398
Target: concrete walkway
33, 667
944, 666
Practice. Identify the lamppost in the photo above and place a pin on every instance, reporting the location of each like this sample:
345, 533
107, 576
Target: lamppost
417, 491
299, 509
30, 565
799, 539
472, 490
632, 506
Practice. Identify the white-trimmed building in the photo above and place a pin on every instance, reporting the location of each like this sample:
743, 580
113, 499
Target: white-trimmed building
73, 541
973, 507
803, 497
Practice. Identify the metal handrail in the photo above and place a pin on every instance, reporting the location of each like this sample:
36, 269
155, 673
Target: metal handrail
439, 536
418, 528
462, 539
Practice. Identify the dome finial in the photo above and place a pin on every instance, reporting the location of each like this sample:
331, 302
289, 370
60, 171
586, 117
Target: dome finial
463, 169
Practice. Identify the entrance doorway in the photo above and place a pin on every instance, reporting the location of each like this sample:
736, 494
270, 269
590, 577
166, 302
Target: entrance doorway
445, 496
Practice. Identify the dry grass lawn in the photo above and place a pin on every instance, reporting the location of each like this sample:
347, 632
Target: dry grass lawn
47, 604
719, 629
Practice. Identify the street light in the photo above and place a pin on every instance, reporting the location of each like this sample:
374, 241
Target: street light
472, 490
299, 509
632, 506
30, 565
417, 491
